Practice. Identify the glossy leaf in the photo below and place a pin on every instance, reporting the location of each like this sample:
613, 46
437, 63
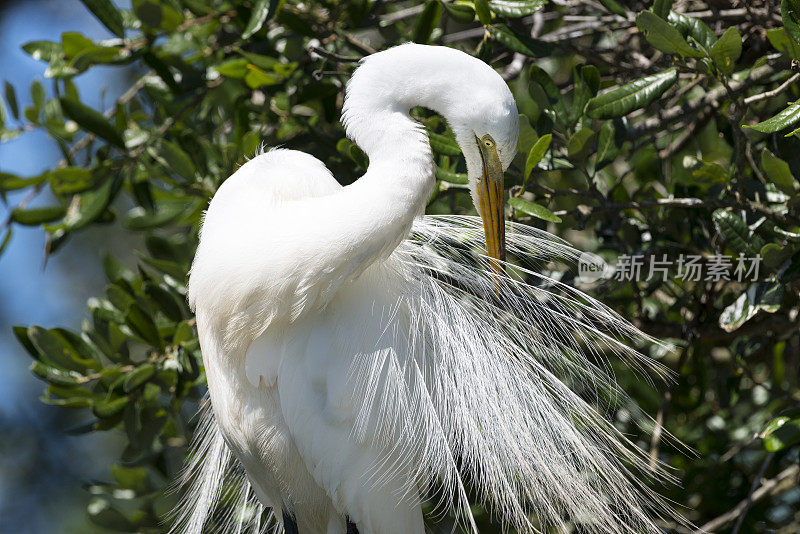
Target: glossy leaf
427, 21
736, 232
174, 159
760, 296
142, 324
442, 144
518, 42
37, 216
726, 51
483, 12
92, 205
614, 7
786, 434
536, 154
631, 96
782, 120
106, 13
92, 121
516, 8
780, 40
138, 377
790, 13
662, 35
42, 50
554, 99
451, 177
263, 10
662, 7
607, 146
532, 209
778, 172
463, 13
694, 28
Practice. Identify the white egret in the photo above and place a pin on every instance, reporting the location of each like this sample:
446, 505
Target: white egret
363, 358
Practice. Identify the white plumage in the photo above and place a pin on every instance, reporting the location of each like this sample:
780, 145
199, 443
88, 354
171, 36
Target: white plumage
362, 358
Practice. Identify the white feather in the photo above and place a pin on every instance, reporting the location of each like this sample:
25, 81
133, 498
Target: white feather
361, 358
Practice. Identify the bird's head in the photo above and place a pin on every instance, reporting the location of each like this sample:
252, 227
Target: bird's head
487, 128
468, 93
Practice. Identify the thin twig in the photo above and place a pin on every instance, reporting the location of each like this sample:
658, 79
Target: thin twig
775, 92
753, 487
773, 486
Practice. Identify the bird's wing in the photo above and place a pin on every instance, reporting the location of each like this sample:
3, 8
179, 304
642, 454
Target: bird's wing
257, 244
430, 371
333, 365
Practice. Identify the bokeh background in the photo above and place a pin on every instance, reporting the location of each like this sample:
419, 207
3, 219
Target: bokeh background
686, 165
42, 467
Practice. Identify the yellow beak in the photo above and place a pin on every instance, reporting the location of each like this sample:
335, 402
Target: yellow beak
492, 201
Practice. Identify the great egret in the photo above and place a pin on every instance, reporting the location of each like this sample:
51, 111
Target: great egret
363, 358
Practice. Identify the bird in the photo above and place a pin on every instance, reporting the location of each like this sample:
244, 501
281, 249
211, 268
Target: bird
365, 361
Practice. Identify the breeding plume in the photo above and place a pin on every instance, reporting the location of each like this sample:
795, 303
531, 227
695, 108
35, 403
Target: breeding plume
363, 358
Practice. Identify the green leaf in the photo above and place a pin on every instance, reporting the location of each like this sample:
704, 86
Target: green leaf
587, 83
518, 42
106, 13
37, 216
55, 350
736, 232
790, 13
134, 478
694, 28
427, 21
536, 154
614, 7
554, 99
55, 376
11, 98
140, 219
482, 10
607, 147
263, 10
631, 96
764, 296
727, 50
234, 68
174, 159
662, 7
92, 121
786, 434
154, 14
779, 38
141, 323
442, 144
256, 78
516, 8
778, 172
138, 376
462, 13
710, 173
106, 408
662, 35
165, 302
782, 120
534, 210
92, 204
451, 177
43, 50
579, 143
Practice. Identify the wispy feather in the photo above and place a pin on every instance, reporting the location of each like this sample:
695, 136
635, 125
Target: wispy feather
507, 379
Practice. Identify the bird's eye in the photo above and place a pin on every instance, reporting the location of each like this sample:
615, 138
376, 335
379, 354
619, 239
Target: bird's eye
487, 141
